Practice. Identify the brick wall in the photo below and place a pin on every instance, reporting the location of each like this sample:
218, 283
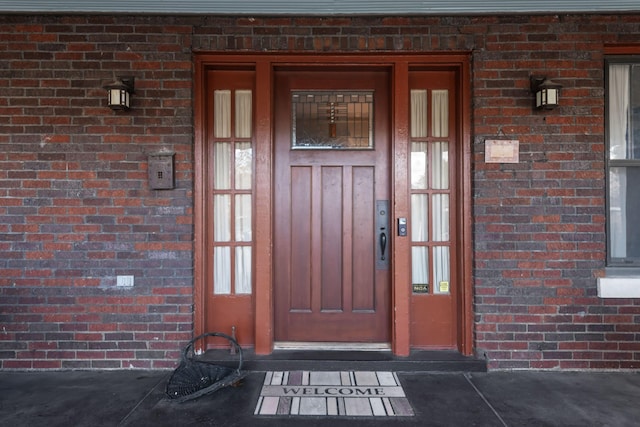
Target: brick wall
539, 224
76, 210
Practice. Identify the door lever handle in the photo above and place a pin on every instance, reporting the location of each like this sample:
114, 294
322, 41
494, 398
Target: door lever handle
381, 237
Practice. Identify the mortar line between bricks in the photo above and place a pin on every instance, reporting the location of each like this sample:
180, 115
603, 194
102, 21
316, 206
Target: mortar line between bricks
137, 405
468, 377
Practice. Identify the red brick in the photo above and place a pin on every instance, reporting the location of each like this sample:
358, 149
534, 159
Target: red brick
97, 157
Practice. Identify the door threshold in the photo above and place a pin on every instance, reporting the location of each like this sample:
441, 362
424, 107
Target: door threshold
330, 346
323, 360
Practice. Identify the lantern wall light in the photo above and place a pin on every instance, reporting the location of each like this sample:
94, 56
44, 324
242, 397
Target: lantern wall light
119, 92
547, 92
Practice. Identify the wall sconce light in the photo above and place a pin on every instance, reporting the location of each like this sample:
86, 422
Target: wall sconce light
547, 92
119, 92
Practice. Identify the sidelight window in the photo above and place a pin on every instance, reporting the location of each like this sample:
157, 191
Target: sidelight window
232, 187
430, 191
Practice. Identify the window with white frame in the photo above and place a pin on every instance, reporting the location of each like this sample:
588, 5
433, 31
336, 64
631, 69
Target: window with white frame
623, 162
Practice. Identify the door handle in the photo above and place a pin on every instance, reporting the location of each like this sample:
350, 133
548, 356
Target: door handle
380, 236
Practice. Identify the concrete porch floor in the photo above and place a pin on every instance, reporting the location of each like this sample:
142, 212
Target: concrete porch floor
136, 398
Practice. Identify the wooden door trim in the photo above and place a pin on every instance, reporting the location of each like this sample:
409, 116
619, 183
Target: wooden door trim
401, 261
264, 204
465, 196
200, 166
264, 65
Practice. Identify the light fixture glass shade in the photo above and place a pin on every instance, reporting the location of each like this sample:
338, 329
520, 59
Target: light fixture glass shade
118, 99
547, 98
547, 94
551, 96
119, 93
539, 99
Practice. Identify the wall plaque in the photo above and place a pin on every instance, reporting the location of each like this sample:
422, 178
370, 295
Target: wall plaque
501, 151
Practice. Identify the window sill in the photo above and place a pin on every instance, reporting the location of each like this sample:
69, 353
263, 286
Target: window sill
619, 287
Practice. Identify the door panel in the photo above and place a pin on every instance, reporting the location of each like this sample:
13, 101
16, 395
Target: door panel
327, 287
300, 230
363, 246
331, 252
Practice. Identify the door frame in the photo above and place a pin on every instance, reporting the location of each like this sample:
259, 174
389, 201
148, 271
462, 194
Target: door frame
264, 66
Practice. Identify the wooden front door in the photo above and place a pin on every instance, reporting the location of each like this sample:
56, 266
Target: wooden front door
331, 241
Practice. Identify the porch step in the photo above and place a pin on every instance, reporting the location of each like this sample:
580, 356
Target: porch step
289, 360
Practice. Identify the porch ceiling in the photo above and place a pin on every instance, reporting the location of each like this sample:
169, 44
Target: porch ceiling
317, 7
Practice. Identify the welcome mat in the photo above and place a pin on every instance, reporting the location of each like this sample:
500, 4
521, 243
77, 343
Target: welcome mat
344, 393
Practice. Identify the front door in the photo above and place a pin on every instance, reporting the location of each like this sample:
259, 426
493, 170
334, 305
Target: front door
331, 213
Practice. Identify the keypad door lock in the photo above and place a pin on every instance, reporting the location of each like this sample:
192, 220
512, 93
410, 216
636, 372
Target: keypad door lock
402, 226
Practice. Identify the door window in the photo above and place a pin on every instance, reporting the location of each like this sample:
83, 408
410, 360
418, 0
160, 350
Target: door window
332, 120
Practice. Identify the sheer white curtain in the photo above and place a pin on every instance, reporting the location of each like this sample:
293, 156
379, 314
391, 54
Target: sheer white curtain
244, 152
222, 113
419, 265
419, 218
222, 233
222, 202
419, 178
440, 113
440, 212
222, 217
619, 77
440, 233
430, 170
440, 165
243, 113
222, 166
418, 113
419, 165
243, 218
441, 268
440, 181
221, 273
244, 165
232, 159
243, 270
243, 180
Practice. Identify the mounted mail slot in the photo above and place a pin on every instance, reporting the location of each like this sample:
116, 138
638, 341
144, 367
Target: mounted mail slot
161, 171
